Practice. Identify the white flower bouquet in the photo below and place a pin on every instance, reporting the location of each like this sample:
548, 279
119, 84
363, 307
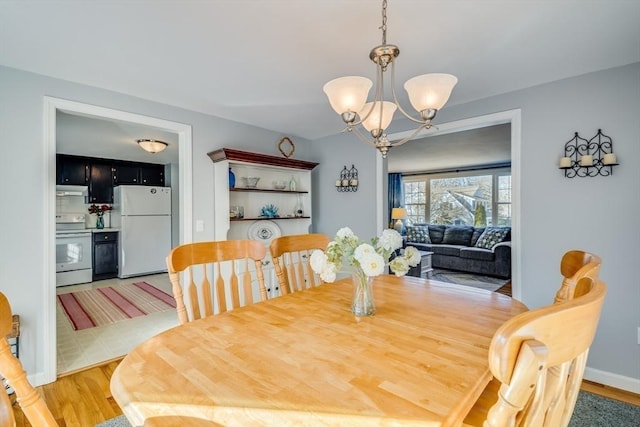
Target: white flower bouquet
367, 259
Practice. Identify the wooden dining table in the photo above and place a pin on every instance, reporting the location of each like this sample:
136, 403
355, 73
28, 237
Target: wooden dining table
305, 360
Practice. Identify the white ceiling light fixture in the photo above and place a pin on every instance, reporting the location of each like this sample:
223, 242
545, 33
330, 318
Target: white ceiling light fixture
152, 146
347, 95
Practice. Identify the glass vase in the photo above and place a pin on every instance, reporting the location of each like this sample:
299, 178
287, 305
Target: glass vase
100, 222
363, 304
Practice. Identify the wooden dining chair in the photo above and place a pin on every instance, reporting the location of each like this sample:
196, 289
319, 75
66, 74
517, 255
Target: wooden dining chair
222, 269
576, 264
31, 403
538, 359
290, 255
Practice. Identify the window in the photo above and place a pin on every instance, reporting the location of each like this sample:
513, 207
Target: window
415, 201
460, 198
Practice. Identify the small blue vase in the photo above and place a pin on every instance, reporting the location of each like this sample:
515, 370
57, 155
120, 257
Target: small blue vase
232, 179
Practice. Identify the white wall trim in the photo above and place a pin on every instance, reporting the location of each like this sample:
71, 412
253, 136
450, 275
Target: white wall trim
185, 148
514, 118
612, 380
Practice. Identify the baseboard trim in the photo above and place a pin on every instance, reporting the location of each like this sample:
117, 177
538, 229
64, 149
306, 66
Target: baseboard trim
612, 380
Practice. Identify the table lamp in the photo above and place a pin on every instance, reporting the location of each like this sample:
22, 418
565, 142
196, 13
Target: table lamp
398, 214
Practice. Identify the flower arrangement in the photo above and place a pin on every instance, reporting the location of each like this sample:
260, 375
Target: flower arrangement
99, 209
366, 259
369, 259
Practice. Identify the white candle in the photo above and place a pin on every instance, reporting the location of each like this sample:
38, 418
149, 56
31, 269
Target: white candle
354, 182
338, 183
586, 160
565, 162
345, 182
609, 159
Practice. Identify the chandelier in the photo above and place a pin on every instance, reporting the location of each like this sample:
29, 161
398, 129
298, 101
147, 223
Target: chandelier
348, 95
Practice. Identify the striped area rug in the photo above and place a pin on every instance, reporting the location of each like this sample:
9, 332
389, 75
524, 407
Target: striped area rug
101, 306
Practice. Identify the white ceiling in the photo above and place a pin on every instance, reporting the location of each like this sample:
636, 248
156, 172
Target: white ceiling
264, 62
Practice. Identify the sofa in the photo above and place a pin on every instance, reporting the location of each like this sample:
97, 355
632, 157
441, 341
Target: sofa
478, 250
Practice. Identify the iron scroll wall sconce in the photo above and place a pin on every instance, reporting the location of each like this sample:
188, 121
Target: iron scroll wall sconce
593, 157
348, 179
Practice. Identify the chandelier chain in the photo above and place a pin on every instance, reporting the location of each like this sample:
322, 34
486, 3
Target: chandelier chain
384, 22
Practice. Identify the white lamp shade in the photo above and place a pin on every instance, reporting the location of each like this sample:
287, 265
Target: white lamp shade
373, 122
430, 91
347, 94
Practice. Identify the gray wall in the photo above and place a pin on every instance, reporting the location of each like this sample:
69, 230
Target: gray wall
557, 214
23, 269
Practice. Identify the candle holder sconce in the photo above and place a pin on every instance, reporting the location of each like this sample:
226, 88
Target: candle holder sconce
593, 157
348, 179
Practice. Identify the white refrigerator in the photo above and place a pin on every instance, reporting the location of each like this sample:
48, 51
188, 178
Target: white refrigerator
143, 216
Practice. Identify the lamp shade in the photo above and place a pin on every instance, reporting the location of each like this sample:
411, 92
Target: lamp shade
430, 91
373, 122
151, 145
398, 213
347, 94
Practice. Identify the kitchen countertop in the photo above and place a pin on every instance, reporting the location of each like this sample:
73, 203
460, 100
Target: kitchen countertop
103, 230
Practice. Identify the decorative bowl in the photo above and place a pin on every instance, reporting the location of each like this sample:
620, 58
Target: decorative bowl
250, 181
279, 185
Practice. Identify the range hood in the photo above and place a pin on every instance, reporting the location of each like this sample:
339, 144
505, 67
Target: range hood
71, 190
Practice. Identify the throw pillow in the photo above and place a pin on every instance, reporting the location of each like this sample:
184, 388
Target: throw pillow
491, 237
457, 235
418, 234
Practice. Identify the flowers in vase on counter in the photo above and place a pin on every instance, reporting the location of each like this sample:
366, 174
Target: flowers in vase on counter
99, 209
368, 259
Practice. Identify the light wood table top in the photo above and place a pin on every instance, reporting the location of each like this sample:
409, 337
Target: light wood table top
305, 360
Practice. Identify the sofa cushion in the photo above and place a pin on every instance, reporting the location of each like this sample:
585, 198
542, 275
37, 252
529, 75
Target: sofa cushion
477, 232
492, 236
418, 234
457, 235
451, 250
436, 233
477, 253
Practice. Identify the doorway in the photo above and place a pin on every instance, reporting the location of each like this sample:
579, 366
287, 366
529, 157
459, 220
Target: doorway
51, 107
512, 117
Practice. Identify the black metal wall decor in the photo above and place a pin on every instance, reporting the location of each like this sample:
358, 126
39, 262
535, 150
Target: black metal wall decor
593, 157
348, 179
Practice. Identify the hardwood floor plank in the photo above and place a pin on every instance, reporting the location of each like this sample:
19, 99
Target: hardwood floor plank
83, 399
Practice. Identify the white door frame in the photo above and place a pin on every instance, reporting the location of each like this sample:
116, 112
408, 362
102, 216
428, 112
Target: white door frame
51, 107
510, 116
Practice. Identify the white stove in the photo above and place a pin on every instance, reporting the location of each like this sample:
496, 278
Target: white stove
73, 250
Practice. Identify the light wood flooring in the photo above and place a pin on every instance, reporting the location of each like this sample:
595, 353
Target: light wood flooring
83, 399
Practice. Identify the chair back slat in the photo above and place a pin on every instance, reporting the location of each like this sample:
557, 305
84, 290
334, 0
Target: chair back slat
31, 403
290, 256
223, 264
565, 331
221, 293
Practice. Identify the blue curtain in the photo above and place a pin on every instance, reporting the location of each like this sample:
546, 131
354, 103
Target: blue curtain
396, 193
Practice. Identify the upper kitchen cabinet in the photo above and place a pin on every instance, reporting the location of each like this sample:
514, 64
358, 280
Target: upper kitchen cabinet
151, 174
72, 170
134, 173
101, 182
126, 173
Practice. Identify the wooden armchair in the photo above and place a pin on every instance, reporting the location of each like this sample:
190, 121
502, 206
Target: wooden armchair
576, 264
32, 404
290, 255
232, 264
538, 360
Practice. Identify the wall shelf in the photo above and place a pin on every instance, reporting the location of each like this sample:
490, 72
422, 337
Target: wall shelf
278, 218
266, 190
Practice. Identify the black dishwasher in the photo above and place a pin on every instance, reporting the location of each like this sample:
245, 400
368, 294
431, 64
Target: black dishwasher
105, 255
